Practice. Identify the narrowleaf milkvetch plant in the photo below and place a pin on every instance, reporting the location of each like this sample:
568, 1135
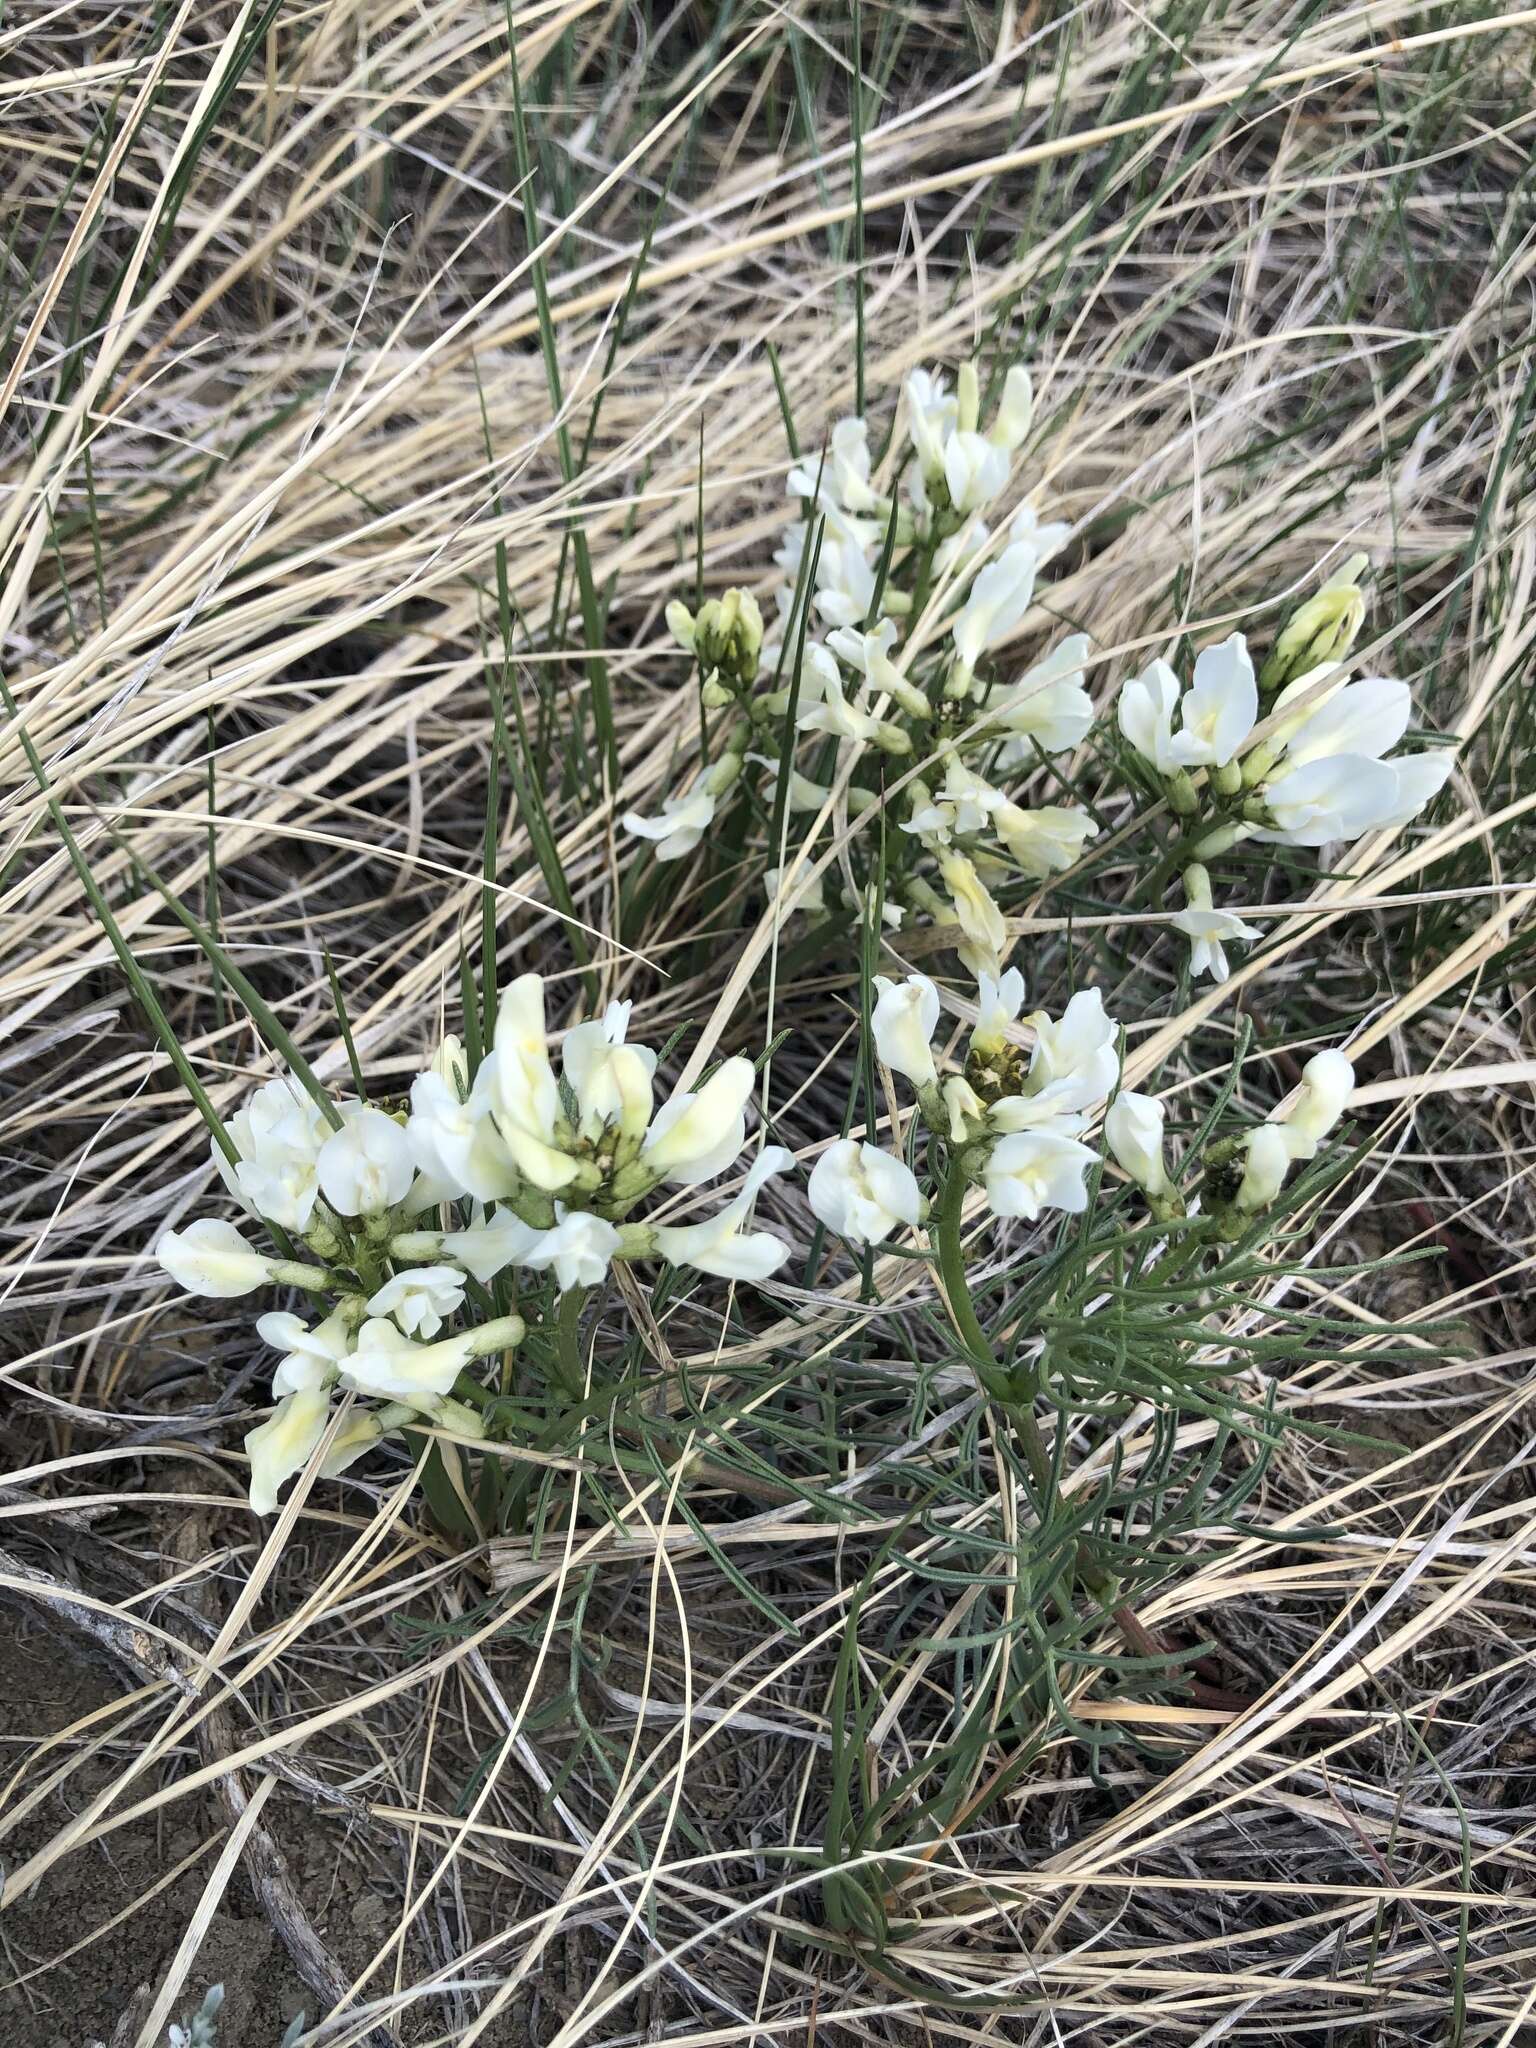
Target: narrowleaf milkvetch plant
443, 1243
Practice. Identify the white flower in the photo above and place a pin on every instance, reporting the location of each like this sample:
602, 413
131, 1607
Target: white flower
1333, 783
682, 824
492, 1244
278, 1135
1327, 1081
420, 1299
211, 1258
969, 799
696, 1136
975, 470
904, 1019
997, 600
870, 655
366, 1167
719, 1245
1075, 1059
1367, 717
1029, 1171
929, 821
845, 581
999, 1000
1268, 1159
844, 475
1145, 711
579, 1248
611, 1080
980, 919
1208, 929
1335, 798
834, 714
387, 1363
931, 415
1133, 1130
849, 462
1048, 704
312, 1356
523, 1092
284, 1443
810, 900
456, 1144
803, 793
965, 1113
1219, 708
1046, 840
1046, 540
863, 1193
1015, 410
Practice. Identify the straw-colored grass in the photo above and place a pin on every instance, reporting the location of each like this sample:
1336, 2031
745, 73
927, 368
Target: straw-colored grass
274, 394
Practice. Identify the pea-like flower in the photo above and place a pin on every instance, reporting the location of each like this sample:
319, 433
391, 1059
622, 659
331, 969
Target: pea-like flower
1133, 1131
277, 1135
211, 1258
697, 1135
312, 1354
682, 823
1208, 929
421, 1299
1216, 714
1047, 706
722, 1244
1045, 840
1000, 998
998, 599
1332, 783
1027, 1172
904, 1019
366, 1167
1327, 1081
1076, 1061
285, 1443
862, 1193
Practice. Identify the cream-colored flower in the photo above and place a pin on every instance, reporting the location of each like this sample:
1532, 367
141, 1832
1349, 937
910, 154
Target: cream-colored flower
862, 1193
904, 1019
285, 1443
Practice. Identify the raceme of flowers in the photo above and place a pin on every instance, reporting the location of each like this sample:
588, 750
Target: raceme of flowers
833, 673
410, 1217
540, 1172
847, 684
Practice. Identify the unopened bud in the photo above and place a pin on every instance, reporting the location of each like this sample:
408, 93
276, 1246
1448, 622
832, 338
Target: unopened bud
1321, 630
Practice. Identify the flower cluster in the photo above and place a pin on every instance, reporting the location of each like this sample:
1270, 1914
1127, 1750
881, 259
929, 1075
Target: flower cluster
518, 1168
1244, 1174
1013, 1125
859, 685
1320, 775
894, 597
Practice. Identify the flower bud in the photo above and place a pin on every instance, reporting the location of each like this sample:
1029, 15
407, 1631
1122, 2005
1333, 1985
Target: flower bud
1322, 630
728, 637
965, 1112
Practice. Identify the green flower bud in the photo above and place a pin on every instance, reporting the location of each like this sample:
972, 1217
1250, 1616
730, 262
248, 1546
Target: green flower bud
1323, 629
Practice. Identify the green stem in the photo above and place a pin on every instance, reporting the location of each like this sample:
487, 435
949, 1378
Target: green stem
1014, 1391
568, 1343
